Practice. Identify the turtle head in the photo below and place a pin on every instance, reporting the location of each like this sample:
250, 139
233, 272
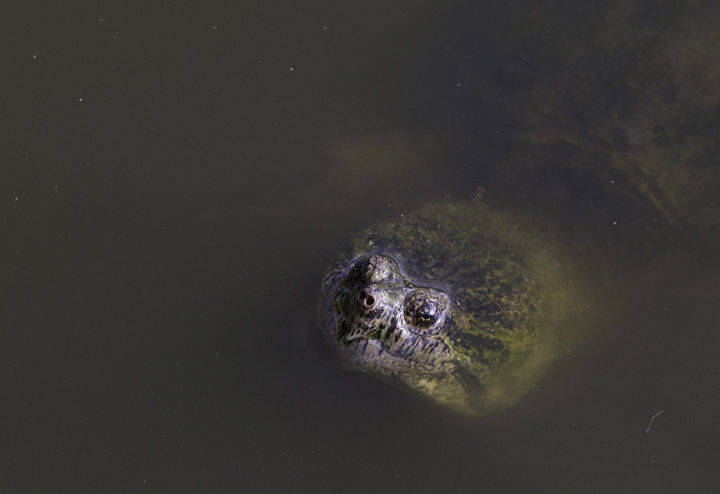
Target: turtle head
384, 321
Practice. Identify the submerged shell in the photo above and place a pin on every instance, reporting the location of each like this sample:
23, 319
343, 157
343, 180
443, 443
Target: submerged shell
466, 312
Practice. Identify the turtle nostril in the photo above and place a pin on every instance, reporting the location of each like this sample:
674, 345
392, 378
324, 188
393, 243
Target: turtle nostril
365, 299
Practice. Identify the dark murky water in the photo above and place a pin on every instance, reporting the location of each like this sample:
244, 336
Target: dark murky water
177, 178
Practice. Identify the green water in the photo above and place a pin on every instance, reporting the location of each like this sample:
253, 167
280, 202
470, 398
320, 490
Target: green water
178, 177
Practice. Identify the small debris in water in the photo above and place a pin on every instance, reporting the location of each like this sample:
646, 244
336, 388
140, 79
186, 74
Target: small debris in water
478, 195
651, 421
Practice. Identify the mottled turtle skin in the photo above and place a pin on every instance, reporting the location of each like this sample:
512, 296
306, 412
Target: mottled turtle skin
462, 311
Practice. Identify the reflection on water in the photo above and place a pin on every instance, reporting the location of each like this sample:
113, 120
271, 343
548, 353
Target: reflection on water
175, 192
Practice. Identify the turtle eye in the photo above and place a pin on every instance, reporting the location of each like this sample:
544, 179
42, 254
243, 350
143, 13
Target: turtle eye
425, 309
425, 315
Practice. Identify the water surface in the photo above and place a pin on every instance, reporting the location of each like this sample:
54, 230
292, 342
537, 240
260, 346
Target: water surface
178, 178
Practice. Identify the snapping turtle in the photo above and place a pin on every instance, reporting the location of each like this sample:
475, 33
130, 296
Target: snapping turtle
611, 124
463, 311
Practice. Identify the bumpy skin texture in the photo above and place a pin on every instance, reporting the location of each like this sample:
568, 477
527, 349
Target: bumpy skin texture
459, 310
